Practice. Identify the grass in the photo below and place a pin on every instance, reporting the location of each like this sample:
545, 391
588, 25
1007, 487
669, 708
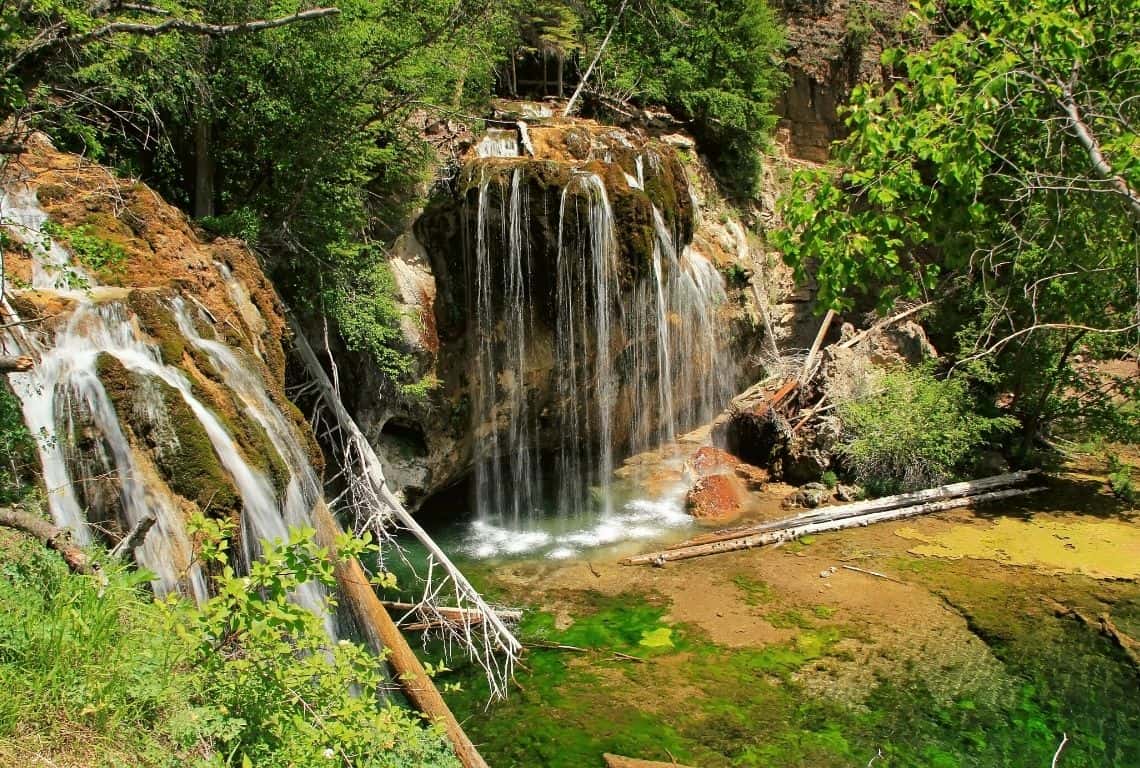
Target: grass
87, 680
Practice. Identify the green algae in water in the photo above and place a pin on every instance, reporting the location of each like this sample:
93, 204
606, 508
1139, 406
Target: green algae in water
718, 707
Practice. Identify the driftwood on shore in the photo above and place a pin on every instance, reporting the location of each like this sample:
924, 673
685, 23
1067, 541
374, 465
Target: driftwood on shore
617, 761
838, 512
794, 528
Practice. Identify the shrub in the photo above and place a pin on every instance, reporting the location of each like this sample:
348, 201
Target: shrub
96, 672
913, 431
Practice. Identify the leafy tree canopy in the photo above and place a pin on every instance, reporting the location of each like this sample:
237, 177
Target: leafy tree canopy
998, 171
714, 64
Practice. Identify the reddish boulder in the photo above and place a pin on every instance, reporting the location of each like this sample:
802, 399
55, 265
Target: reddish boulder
715, 499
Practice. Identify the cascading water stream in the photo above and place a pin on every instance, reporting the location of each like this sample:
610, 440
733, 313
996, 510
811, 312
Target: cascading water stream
650, 354
65, 385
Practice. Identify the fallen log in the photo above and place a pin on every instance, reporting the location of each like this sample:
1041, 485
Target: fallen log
50, 536
790, 533
617, 761
384, 636
809, 363
840, 511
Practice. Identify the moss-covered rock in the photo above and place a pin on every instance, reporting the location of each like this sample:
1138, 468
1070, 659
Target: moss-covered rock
156, 320
163, 423
668, 188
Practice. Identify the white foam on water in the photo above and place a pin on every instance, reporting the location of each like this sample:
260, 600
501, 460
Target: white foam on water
638, 519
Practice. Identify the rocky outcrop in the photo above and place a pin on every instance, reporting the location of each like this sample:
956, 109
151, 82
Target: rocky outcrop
428, 445
832, 46
160, 370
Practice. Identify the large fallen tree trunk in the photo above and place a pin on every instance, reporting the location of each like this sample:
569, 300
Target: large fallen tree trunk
49, 535
765, 538
841, 511
383, 635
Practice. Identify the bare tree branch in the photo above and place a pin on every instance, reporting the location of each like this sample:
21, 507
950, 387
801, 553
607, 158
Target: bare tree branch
53, 37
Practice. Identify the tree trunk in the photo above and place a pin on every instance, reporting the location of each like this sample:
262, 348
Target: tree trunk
11, 364
49, 535
203, 169
383, 634
590, 69
841, 511
794, 529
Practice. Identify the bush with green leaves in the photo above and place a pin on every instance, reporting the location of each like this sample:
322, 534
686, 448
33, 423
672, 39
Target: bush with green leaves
96, 671
914, 431
1120, 480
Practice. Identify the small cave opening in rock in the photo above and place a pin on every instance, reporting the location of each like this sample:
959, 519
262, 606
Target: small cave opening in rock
406, 437
448, 505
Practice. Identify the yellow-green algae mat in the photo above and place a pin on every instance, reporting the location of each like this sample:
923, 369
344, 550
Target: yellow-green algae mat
1101, 549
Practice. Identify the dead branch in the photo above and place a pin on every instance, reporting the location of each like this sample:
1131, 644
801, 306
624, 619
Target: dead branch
448, 612
809, 364
50, 536
10, 364
876, 574
134, 537
1057, 754
590, 69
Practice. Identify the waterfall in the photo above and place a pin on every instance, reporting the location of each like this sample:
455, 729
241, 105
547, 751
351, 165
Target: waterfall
634, 365
586, 302
501, 356
498, 142
63, 396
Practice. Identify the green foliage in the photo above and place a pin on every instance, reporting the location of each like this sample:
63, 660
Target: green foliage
85, 667
915, 431
251, 678
714, 64
965, 179
17, 447
363, 303
271, 688
89, 249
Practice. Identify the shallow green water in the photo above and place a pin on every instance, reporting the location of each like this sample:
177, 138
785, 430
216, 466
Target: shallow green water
711, 706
